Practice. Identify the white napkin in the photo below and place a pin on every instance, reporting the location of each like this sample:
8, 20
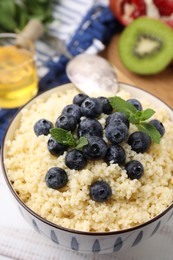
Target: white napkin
19, 241
67, 16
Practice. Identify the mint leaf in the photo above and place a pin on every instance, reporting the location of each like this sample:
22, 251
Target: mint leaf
81, 142
141, 116
151, 131
123, 106
136, 117
146, 114
133, 119
71, 141
63, 136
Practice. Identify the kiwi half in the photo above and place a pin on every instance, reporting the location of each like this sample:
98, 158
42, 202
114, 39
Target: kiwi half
146, 46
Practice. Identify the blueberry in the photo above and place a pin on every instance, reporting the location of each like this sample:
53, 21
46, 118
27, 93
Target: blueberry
72, 110
135, 103
116, 134
134, 169
91, 107
96, 148
139, 141
56, 178
66, 122
79, 98
75, 160
158, 125
54, 147
100, 191
106, 106
115, 154
90, 127
117, 118
42, 127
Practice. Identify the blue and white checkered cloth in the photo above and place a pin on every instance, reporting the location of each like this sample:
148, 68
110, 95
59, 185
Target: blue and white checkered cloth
82, 26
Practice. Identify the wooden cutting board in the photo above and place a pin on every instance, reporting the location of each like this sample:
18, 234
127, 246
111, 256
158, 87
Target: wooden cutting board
161, 85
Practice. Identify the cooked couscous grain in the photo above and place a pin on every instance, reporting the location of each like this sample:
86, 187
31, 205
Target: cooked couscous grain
133, 202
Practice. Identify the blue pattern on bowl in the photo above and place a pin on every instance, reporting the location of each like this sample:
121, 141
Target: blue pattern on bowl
54, 237
138, 238
35, 226
118, 244
21, 212
170, 216
96, 246
74, 244
156, 228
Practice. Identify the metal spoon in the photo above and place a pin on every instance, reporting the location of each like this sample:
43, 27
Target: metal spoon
92, 74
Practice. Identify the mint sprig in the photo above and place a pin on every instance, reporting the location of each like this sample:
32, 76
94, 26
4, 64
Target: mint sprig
65, 137
81, 142
151, 131
123, 106
136, 117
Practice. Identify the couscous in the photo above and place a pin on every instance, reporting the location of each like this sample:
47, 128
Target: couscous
132, 202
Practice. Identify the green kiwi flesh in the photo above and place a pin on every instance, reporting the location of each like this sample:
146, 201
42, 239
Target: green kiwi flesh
146, 46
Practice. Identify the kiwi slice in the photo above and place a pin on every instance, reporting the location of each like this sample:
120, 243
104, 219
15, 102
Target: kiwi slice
146, 46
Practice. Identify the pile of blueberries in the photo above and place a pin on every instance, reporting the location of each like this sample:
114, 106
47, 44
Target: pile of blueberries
116, 131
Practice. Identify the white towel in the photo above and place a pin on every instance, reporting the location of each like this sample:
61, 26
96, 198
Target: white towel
67, 16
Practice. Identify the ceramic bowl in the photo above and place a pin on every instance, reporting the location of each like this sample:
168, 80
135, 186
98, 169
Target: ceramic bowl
88, 242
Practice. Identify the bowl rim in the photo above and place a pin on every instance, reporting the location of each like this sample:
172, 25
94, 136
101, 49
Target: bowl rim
53, 225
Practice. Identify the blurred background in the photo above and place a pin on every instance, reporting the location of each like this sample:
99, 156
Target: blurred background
14, 15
